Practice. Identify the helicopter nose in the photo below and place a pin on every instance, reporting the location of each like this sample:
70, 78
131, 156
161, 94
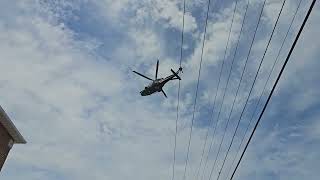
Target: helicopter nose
143, 93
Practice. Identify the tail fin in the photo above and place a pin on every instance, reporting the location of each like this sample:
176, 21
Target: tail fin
176, 74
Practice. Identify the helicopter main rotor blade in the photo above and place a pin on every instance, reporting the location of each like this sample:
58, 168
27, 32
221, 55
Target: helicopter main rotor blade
142, 75
164, 93
157, 69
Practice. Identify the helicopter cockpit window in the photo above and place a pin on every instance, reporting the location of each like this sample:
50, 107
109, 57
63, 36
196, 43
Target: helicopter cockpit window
150, 84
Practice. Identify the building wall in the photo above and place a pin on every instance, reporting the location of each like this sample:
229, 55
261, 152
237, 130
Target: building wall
4, 145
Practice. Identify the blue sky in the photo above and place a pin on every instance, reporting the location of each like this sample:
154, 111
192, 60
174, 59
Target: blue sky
67, 85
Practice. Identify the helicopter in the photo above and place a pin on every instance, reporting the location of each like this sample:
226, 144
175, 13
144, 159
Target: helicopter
157, 84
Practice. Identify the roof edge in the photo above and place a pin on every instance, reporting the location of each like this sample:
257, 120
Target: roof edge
11, 128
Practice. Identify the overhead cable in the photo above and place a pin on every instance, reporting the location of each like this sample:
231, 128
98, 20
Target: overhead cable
197, 89
275, 85
254, 81
237, 91
214, 102
179, 87
265, 85
234, 55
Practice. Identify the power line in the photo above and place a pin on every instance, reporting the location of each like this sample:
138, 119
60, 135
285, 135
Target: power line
255, 78
196, 95
220, 74
237, 91
235, 52
182, 31
179, 87
275, 84
265, 85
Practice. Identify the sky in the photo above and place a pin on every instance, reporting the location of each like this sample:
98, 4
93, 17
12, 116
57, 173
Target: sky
67, 84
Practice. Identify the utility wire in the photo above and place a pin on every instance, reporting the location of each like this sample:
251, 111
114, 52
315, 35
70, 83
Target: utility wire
220, 74
182, 31
265, 85
248, 97
275, 84
197, 89
179, 87
235, 52
237, 91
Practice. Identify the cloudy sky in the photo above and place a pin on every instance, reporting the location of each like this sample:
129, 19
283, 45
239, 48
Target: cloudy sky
66, 83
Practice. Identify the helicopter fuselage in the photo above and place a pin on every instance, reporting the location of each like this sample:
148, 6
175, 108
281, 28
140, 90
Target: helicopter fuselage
156, 85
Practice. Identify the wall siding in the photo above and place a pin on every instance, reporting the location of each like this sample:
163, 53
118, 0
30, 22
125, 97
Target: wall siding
4, 148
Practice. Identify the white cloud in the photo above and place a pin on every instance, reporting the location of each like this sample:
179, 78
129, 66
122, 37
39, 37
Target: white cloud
83, 114
165, 12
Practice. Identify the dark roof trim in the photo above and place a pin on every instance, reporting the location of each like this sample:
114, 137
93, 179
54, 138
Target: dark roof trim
11, 128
